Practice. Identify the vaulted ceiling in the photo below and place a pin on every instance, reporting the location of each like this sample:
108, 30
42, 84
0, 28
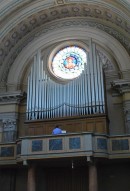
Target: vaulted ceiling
22, 21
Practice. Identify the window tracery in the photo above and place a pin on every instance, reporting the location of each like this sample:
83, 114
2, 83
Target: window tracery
68, 63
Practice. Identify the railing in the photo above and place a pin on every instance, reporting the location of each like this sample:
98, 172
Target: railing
65, 145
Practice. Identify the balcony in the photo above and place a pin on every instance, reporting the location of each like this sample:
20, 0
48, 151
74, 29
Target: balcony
65, 145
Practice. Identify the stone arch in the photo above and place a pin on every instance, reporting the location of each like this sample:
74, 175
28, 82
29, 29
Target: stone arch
70, 31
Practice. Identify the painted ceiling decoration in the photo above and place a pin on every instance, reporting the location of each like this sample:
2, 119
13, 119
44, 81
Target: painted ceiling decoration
23, 21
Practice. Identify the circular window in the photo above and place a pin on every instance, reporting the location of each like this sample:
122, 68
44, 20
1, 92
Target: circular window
68, 63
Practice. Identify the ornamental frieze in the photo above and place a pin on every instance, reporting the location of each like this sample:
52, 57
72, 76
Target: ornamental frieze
54, 26
21, 28
10, 97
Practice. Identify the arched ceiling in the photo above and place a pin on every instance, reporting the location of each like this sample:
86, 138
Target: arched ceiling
22, 20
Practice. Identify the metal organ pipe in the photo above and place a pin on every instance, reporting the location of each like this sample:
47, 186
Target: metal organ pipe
33, 88
39, 69
42, 91
94, 75
102, 88
81, 96
99, 84
30, 95
27, 110
36, 88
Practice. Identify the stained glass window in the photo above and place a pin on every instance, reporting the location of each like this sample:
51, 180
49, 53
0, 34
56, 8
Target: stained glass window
69, 62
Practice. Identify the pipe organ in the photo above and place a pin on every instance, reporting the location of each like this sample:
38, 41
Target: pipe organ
83, 95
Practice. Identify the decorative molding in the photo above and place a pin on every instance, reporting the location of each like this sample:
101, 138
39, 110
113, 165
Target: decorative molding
54, 26
8, 130
121, 86
107, 64
7, 7
10, 97
9, 124
101, 15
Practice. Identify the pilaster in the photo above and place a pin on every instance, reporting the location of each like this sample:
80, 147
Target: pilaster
9, 111
122, 87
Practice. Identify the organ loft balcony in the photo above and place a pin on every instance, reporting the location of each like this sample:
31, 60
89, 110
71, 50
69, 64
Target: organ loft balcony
36, 141
68, 92
83, 136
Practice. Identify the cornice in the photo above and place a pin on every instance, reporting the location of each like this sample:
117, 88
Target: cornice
121, 86
11, 97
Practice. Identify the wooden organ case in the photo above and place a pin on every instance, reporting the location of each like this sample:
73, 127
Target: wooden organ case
76, 106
